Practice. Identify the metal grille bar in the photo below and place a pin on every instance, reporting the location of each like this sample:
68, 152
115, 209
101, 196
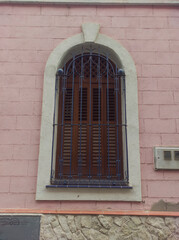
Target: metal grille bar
95, 143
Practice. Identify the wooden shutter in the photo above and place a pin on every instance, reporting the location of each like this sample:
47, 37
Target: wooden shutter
112, 128
83, 139
67, 128
96, 130
82, 130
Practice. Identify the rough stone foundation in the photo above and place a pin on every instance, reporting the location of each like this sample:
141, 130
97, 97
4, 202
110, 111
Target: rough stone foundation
88, 227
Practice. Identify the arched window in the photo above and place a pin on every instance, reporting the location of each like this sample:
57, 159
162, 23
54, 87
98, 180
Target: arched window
89, 125
89, 130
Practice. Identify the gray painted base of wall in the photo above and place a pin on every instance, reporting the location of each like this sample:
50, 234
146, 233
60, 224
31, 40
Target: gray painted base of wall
99, 227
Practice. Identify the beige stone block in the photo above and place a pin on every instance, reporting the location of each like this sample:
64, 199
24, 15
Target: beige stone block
86, 221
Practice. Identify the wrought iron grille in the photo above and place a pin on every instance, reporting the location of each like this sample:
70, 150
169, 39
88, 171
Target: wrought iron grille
89, 147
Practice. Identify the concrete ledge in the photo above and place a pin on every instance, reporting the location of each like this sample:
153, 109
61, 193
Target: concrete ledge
95, 2
71, 212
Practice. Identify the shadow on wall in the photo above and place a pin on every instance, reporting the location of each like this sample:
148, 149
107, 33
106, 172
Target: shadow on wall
165, 206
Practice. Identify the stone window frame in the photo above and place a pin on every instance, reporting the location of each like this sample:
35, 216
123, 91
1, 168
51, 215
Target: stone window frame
90, 34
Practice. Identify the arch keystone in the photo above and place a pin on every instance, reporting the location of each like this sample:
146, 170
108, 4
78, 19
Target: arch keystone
90, 31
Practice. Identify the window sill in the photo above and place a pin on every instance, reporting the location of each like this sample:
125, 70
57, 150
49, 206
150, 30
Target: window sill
61, 193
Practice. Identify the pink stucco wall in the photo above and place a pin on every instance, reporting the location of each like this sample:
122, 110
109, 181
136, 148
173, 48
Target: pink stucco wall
27, 36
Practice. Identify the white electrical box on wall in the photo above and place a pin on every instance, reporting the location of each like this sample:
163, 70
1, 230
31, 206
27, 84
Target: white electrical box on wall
166, 158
